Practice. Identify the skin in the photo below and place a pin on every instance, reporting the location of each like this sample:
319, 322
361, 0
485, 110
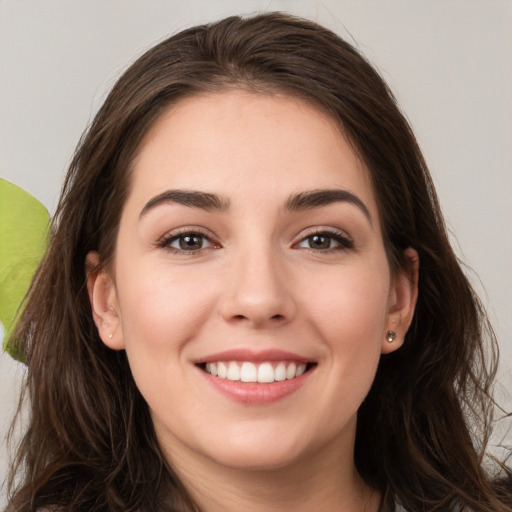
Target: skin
256, 284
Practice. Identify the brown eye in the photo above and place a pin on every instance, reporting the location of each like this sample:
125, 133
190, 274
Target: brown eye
190, 242
320, 242
326, 241
187, 242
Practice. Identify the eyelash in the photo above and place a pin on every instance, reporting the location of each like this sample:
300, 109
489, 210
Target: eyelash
344, 242
167, 240
342, 239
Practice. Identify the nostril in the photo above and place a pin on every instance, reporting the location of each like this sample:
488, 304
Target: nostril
274, 317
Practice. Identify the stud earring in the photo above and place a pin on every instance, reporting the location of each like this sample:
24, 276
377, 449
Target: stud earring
390, 336
110, 336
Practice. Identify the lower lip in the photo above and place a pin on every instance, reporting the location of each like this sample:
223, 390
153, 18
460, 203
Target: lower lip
254, 393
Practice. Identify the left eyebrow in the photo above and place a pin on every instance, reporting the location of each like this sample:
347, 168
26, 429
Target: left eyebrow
318, 198
190, 198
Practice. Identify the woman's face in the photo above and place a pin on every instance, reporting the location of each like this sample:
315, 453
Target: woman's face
250, 286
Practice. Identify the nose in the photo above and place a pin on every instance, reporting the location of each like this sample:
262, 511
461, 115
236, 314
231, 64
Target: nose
258, 291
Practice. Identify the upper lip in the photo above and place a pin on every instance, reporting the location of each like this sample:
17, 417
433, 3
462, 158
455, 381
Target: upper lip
255, 356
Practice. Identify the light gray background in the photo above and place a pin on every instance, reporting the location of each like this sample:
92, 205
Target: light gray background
448, 61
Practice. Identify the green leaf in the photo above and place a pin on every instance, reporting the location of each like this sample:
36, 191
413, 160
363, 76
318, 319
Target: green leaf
24, 230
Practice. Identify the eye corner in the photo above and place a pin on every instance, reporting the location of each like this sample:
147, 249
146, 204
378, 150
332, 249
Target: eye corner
323, 240
187, 241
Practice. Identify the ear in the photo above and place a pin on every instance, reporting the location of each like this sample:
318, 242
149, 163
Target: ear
402, 302
104, 304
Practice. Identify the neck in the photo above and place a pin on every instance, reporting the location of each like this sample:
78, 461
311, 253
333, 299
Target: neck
277, 490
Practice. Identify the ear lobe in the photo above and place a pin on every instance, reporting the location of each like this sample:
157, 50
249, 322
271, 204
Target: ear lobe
403, 296
103, 298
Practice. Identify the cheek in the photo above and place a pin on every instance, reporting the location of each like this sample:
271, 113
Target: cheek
349, 315
161, 311
161, 316
351, 305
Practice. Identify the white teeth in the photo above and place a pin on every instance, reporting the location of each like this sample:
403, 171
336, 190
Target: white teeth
280, 372
290, 371
252, 372
248, 372
265, 373
212, 368
222, 370
233, 371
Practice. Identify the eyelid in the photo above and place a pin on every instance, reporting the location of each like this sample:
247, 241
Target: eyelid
344, 240
164, 241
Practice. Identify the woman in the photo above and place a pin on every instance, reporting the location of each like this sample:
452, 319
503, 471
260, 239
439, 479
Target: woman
250, 301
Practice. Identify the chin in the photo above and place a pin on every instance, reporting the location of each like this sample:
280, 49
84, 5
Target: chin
255, 460
263, 452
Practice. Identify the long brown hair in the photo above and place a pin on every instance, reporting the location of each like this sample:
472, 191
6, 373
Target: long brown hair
421, 431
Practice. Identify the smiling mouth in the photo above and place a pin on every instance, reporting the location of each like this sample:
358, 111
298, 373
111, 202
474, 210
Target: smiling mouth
263, 373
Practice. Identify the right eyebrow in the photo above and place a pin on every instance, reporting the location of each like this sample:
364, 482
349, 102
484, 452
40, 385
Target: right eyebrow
190, 198
317, 198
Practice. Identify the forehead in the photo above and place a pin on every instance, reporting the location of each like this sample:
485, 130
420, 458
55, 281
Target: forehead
246, 143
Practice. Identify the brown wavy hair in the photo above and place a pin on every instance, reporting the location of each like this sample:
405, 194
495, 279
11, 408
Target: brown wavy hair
423, 428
